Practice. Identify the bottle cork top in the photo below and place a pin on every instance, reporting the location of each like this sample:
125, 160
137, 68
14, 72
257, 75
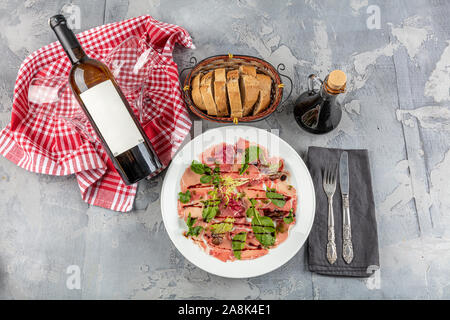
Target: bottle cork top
56, 20
336, 81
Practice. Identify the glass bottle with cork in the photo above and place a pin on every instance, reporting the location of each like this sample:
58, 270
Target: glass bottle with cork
317, 110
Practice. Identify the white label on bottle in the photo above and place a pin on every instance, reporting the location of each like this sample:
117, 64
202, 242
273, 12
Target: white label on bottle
111, 117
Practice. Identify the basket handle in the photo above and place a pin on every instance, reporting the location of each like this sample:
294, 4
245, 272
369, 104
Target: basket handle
193, 62
282, 67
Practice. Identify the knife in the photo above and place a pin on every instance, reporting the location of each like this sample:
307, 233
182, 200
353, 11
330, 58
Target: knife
347, 246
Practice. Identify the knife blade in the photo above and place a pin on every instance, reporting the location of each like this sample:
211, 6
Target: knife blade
347, 245
343, 173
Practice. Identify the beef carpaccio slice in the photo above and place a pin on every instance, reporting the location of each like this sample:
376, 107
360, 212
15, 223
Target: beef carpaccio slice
234, 190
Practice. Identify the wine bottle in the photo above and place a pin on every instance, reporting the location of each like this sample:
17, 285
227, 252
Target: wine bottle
105, 106
317, 111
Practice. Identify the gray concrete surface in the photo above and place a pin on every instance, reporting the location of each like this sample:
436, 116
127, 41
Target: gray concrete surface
397, 106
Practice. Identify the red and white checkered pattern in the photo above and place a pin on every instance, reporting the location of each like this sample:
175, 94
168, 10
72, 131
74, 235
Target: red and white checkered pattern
48, 143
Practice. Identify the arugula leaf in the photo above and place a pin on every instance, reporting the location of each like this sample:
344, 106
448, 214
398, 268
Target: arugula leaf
200, 168
274, 195
193, 231
278, 203
251, 154
290, 218
205, 179
263, 227
209, 213
276, 198
184, 197
223, 227
238, 243
243, 168
190, 221
213, 194
216, 180
197, 167
251, 211
264, 230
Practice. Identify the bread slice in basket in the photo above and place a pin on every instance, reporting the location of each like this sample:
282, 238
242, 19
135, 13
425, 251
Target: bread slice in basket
234, 94
220, 92
249, 87
207, 91
196, 95
265, 86
249, 70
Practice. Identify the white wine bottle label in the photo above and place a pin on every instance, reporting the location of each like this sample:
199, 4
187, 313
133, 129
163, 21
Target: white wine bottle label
111, 117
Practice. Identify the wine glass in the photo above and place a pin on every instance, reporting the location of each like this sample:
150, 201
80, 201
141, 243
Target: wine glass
131, 63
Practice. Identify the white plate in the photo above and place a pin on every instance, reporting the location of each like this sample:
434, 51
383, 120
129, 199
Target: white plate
300, 179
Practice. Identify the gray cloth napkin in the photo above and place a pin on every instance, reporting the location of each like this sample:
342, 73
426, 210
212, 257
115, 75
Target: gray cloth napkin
362, 214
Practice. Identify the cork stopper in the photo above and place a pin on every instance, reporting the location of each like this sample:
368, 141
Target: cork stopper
336, 81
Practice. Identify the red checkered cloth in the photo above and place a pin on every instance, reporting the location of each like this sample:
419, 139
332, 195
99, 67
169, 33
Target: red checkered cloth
47, 141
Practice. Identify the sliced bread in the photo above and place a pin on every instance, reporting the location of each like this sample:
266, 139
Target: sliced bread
249, 70
220, 92
234, 95
207, 91
196, 95
249, 87
265, 86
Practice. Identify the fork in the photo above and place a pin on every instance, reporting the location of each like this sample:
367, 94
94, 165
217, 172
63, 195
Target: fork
329, 186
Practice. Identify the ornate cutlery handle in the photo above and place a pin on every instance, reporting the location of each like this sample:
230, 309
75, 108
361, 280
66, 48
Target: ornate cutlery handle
331, 245
347, 247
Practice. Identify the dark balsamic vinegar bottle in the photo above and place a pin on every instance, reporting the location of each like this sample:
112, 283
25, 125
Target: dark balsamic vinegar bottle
104, 104
317, 111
